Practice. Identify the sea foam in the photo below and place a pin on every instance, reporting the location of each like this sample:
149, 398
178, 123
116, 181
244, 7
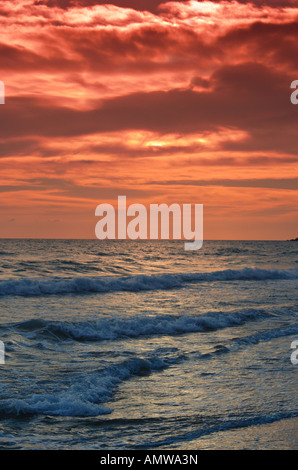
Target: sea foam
117, 327
102, 284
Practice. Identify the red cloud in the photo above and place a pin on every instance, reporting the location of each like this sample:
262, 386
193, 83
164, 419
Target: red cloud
173, 88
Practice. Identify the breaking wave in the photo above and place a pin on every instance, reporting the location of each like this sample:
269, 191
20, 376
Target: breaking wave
86, 396
102, 284
118, 327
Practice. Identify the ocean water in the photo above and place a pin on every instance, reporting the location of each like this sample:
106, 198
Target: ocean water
143, 345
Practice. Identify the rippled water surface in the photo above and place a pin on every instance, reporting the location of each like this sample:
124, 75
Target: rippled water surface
128, 345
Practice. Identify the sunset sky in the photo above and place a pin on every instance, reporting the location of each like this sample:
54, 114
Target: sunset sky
162, 102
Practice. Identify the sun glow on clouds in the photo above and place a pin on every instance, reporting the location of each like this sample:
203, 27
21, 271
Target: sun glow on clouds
188, 102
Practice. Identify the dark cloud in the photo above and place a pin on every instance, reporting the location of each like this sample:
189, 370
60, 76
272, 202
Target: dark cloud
270, 3
18, 58
254, 161
249, 96
270, 183
155, 48
273, 42
152, 5
18, 147
109, 51
145, 49
69, 188
141, 5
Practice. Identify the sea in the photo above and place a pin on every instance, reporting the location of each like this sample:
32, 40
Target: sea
133, 345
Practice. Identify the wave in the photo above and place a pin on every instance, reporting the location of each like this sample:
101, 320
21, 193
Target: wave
267, 335
118, 327
226, 424
89, 392
6, 253
102, 284
246, 341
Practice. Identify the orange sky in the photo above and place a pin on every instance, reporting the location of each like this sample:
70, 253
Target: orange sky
176, 102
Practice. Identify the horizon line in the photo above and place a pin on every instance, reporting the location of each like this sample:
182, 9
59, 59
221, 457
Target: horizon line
146, 240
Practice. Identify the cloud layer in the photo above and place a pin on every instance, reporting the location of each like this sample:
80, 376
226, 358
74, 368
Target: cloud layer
145, 97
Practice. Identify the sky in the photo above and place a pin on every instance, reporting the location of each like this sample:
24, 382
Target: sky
178, 102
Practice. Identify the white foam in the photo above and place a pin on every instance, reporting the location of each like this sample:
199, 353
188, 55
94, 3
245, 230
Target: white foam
101, 284
117, 327
86, 395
